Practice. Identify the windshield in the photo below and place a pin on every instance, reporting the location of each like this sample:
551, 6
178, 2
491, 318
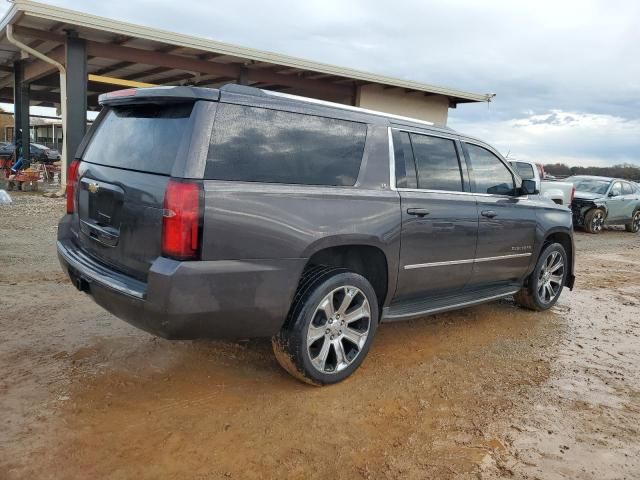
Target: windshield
592, 186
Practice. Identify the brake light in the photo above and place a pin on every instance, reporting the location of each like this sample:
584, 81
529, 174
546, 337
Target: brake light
72, 178
181, 220
127, 92
573, 193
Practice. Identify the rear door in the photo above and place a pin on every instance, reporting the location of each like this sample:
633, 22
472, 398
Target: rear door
507, 223
122, 179
630, 200
615, 203
439, 216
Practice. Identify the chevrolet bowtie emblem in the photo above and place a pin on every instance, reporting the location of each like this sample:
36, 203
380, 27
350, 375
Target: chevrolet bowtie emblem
93, 187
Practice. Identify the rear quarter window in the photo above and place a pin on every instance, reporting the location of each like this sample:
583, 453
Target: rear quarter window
144, 138
261, 145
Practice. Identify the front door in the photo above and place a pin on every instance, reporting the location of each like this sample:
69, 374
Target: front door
439, 218
615, 203
507, 222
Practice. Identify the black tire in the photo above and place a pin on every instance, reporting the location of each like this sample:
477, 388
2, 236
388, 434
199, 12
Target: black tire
529, 295
594, 220
634, 225
291, 346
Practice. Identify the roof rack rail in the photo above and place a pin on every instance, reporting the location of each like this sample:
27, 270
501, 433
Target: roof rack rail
247, 90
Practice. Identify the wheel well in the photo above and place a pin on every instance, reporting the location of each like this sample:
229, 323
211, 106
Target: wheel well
365, 260
595, 207
563, 239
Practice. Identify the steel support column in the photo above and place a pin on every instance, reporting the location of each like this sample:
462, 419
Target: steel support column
76, 66
243, 78
21, 111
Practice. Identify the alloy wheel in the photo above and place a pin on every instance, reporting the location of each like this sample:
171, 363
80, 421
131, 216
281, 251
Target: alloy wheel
339, 329
550, 277
597, 223
635, 222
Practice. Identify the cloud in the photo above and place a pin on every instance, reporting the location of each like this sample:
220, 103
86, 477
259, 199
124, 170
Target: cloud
574, 138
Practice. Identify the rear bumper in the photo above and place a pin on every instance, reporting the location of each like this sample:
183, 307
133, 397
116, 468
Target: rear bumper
187, 300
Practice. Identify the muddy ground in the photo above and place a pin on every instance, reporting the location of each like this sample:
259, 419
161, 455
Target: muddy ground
487, 392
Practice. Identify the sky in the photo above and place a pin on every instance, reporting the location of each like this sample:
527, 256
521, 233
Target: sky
566, 74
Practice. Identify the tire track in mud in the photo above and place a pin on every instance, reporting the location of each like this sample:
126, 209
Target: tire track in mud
466, 394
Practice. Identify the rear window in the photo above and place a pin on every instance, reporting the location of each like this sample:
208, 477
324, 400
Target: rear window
145, 138
525, 170
260, 145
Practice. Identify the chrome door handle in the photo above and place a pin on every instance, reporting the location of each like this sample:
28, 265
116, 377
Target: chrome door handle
489, 213
420, 212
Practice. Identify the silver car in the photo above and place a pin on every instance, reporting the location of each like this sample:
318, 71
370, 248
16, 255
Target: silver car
601, 201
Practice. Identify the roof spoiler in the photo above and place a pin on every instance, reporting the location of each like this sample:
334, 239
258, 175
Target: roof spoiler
160, 94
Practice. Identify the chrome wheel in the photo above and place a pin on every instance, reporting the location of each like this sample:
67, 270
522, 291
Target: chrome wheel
635, 222
339, 329
551, 277
597, 222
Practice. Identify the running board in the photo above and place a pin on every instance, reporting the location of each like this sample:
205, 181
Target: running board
429, 306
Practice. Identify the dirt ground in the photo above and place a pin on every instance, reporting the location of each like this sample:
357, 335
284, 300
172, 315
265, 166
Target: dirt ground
487, 392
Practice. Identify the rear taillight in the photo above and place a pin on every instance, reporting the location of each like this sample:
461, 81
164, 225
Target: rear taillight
72, 179
181, 220
573, 193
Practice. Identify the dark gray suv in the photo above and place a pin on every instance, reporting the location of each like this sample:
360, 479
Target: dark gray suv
243, 213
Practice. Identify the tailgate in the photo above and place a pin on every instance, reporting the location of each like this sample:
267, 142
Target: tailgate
122, 179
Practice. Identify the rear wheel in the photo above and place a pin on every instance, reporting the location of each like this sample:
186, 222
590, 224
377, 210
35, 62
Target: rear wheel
330, 326
634, 225
594, 220
544, 285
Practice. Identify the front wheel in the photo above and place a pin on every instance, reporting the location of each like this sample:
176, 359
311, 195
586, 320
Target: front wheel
594, 220
634, 225
543, 287
330, 327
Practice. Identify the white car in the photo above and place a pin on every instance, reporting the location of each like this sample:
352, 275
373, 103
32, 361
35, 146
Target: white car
560, 192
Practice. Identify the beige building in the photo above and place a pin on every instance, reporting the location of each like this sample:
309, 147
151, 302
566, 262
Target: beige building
433, 108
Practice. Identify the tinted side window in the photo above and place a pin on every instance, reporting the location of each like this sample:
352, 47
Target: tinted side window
490, 174
260, 145
525, 170
627, 189
437, 163
405, 165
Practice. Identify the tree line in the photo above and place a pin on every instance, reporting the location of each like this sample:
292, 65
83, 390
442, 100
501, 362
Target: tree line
626, 171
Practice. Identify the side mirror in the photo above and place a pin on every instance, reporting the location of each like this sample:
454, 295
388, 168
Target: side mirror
612, 194
529, 187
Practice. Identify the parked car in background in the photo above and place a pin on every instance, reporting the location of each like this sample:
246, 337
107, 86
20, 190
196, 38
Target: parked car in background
42, 153
6, 150
39, 153
240, 212
601, 201
560, 192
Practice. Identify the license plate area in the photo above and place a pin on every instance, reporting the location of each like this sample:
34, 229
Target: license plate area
99, 208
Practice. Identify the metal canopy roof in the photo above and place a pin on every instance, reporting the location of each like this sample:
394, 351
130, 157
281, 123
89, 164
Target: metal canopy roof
133, 52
